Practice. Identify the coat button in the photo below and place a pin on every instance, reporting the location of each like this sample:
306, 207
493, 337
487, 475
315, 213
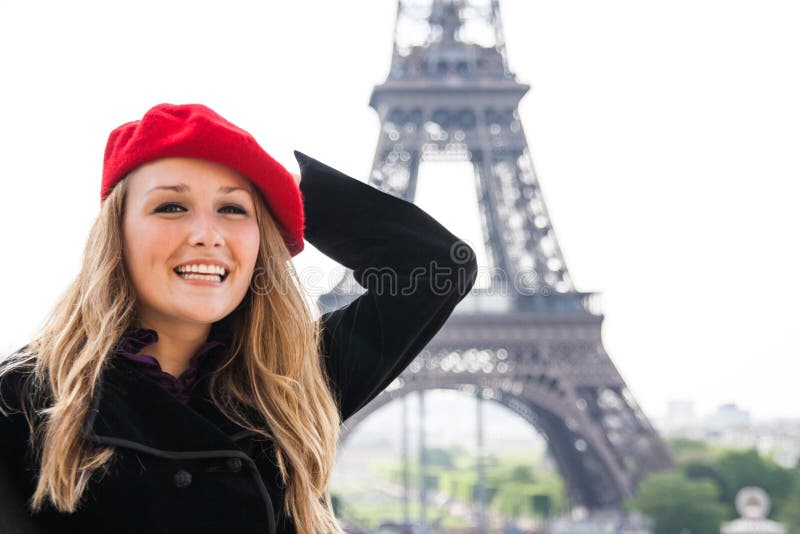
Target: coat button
183, 478
234, 464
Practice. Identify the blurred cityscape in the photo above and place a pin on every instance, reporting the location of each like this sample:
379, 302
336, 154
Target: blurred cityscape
368, 491
732, 426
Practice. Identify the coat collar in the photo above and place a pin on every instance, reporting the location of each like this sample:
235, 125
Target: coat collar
131, 409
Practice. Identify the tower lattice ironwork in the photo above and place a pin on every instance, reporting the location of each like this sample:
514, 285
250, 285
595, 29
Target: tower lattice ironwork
529, 340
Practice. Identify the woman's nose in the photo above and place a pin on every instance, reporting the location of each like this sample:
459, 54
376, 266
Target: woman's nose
205, 231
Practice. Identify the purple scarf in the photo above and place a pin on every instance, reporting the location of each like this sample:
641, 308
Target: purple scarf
134, 339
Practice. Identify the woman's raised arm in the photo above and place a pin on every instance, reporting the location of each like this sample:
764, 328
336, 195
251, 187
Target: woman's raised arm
414, 270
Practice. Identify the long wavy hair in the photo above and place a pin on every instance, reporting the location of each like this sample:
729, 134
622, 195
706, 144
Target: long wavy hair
272, 368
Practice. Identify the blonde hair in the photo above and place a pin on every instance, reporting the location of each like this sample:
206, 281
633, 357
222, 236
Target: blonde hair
272, 368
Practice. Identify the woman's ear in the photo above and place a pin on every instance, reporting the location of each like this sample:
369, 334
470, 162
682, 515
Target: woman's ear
296, 178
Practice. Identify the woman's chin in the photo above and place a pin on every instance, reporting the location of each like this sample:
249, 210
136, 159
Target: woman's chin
202, 313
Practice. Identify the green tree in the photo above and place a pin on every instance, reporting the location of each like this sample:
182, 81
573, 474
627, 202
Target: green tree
522, 473
677, 503
742, 468
787, 511
703, 470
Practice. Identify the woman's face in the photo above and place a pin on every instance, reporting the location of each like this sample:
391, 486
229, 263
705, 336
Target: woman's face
181, 214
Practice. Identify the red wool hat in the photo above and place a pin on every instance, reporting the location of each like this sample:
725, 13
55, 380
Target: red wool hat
196, 131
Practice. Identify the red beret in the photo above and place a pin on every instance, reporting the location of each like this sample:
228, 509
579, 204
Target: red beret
196, 131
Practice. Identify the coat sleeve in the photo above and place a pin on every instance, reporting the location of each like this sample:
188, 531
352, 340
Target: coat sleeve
413, 269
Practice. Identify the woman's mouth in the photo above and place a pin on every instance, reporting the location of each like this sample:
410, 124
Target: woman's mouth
209, 273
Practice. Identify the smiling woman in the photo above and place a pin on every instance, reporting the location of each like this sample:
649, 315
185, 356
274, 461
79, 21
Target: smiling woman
170, 392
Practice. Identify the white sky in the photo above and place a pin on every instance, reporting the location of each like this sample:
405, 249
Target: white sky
664, 134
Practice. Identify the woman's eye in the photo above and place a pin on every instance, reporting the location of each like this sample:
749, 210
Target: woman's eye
165, 208
237, 209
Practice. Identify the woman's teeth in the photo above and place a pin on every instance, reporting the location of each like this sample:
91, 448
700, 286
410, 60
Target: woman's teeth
192, 276
201, 272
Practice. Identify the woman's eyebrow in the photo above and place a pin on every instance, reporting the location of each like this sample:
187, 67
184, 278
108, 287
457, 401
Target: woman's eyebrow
183, 188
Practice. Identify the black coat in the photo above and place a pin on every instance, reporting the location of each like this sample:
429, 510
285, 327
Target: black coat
187, 469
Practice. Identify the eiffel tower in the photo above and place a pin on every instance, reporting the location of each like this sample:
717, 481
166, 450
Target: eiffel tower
529, 340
